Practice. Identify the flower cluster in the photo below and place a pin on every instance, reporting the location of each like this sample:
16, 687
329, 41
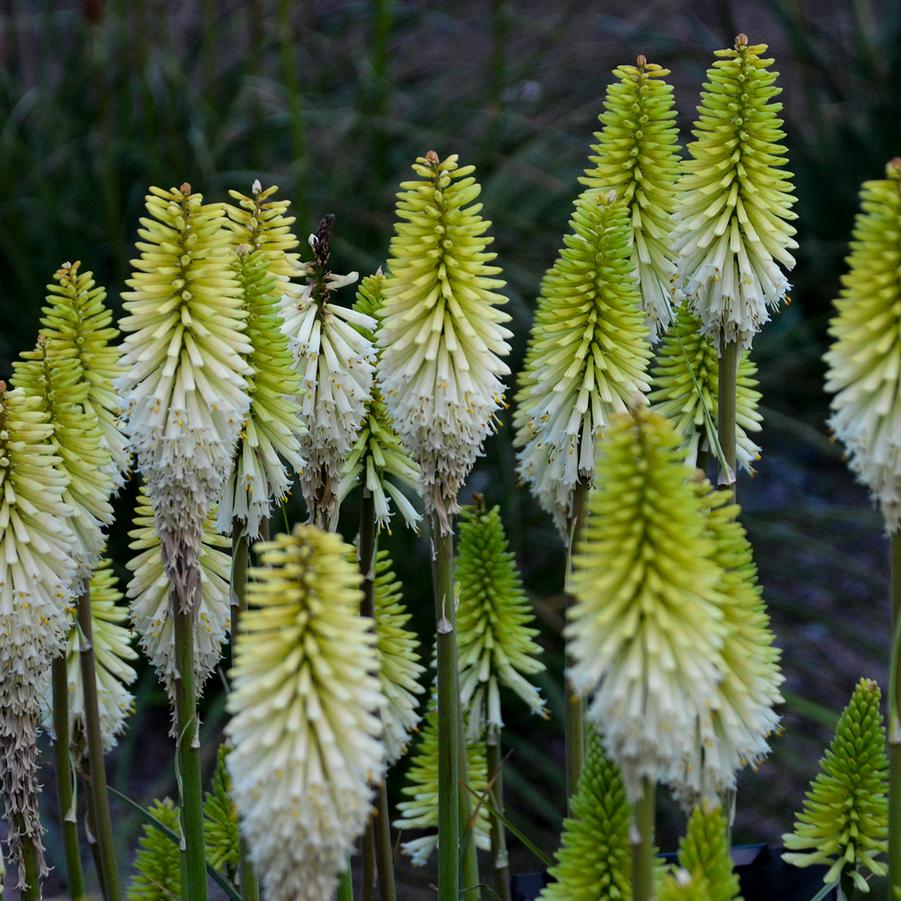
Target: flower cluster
305, 702
184, 361
735, 198
587, 356
441, 333
336, 362
495, 622
863, 360
637, 156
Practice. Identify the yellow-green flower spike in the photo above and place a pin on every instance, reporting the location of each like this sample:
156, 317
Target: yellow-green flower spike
645, 632
400, 669
336, 362
637, 155
736, 198
685, 381
587, 357
269, 436
866, 332
55, 377
378, 455
113, 656
734, 731
705, 871
77, 320
157, 875
420, 809
37, 572
148, 594
441, 332
305, 699
495, 622
184, 356
220, 819
594, 861
844, 821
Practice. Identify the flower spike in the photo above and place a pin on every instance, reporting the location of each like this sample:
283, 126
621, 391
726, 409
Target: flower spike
441, 331
844, 821
495, 622
587, 357
637, 155
157, 875
304, 727
645, 632
336, 363
863, 360
734, 215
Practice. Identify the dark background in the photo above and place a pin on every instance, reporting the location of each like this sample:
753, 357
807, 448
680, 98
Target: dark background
332, 101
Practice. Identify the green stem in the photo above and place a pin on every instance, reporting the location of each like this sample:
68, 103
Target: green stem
384, 850
30, 860
65, 788
894, 737
193, 858
250, 885
643, 844
92, 827
500, 863
103, 823
448, 714
345, 886
369, 867
725, 425
469, 853
574, 706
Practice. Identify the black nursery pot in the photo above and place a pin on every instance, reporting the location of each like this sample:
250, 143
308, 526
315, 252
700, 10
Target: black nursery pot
763, 875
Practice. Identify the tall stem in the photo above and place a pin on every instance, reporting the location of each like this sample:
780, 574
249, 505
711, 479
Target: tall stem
500, 863
345, 886
448, 714
32, 889
643, 844
469, 853
193, 862
65, 790
103, 823
574, 707
378, 851
894, 737
92, 827
725, 425
250, 885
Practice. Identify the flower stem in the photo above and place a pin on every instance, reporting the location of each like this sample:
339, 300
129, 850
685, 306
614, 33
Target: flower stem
193, 862
103, 823
378, 831
574, 706
469, 854
250, 885
65, 793
345, 886
448, 714
32, 889
894, 736
643, 844
727, 380
499, 861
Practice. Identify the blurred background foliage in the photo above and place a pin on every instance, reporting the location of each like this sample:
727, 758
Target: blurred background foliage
332, 100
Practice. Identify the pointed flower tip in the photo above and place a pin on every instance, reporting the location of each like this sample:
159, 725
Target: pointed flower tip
641, 61
741, 40
256, 187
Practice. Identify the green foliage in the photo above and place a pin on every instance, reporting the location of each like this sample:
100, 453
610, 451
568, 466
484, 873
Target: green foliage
594, 860
495, 622
157, 875
844, 821
220, 827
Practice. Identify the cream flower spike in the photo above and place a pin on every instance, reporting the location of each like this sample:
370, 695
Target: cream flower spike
378, 455
637, 155
148, 594
733, 228
55, 377
113, 654
305, 727
646, 632
37, 571
336, 363
269, 434
587, 356
77, 319
863, 371
184, 357
440, 331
